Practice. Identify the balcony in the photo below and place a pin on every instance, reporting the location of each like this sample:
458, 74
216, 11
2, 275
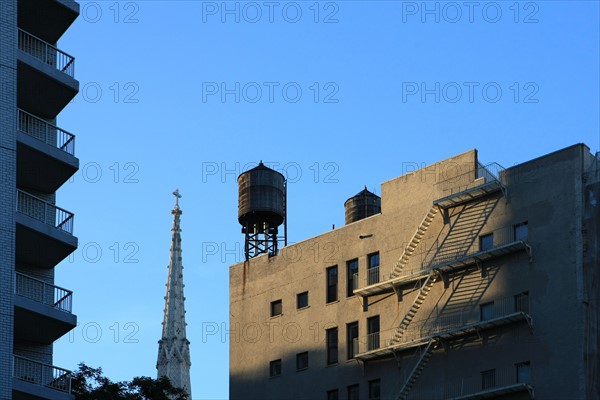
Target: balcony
469, 186
45, 154
48, 19
42, 311
35, 380
44, 232
45, 77
447, 327
486, 385
501, 242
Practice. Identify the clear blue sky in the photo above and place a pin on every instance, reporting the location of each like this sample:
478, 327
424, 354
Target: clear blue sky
384, 85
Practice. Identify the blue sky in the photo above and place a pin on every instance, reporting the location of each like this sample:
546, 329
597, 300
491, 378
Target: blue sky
337, 95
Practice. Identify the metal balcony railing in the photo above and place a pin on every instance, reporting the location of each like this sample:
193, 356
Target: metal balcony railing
46, 53
46, 132
43, 292
439, 324
484, 174
41, 210
42, 374
438, 255
506, 379
488, 241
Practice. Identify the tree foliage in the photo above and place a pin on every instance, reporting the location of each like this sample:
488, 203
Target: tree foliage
89, 383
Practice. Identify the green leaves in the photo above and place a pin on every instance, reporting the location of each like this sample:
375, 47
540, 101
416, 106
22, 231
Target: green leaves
89, 383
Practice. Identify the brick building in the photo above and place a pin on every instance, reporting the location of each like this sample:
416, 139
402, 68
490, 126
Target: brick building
36, 158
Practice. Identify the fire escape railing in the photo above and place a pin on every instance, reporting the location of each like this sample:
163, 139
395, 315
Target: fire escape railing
439, 325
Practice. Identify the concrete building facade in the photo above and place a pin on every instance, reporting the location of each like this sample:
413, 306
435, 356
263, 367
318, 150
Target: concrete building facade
36, 158
473, 282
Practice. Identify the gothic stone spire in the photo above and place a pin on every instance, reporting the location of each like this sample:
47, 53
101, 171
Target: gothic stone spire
174, 348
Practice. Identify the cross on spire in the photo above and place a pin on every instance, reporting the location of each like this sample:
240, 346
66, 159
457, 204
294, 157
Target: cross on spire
177, 197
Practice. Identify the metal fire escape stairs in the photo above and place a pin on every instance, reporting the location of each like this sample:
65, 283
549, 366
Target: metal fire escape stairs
414, 242
425, 288
417, 370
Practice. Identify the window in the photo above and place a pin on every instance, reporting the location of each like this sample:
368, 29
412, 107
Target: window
332, 281
375, 389
276, 308
275, 368
333, 394
520, 231
523, 371
301, 361
351, 269
488, 379
522, 302
353, 391
486, 242
486, 311
351, 334
302, 300
373, 333
373, 268
332, 345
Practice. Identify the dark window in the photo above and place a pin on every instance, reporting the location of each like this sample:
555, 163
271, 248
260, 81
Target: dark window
332, 345
373, 268
486, 242
301, 361
521, 231
523, 371
332, 282
275, 368
486, 311
488, 379
375, 389
353, 391
373, 333
351, 269
351, 334
333, 394
522, 302
302, 300
276, 308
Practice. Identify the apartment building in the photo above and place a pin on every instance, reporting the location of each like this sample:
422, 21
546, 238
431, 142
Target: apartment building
472, 281
36, 158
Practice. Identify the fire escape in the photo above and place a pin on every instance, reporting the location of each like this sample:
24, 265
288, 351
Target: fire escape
466, 203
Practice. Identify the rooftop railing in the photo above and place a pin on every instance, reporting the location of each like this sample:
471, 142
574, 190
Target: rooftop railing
45, 212
46, 132
46, 53
440, 324
43, 292
42, 374
483, 174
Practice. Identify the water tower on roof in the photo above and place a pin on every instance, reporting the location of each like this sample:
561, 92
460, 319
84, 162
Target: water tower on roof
362, 205
262, 209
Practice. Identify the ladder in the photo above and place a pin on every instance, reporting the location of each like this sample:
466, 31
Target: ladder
415, 240
416, 304
417, 370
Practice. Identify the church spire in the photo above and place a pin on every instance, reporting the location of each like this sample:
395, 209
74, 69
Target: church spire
174, 348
